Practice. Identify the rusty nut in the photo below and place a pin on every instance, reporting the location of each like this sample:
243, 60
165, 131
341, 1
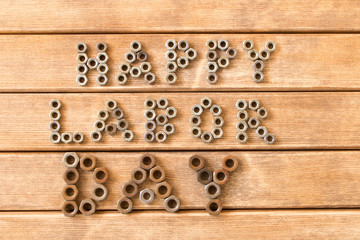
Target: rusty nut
124, 205
100, 175
196, 162
87, 207
157, 174
147, 161
138, 175
69, 208
163, 190
87, 162
129, 189
212, 190
230, 163
221, 176
204, 176
70, 192
213, 207
71, 176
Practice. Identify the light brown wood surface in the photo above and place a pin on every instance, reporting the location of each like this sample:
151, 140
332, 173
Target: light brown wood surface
267, 179
46, 63
178, 16
304, 224
298, 120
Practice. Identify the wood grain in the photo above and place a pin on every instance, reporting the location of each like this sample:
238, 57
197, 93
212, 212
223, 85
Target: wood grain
177, 16
298, 120
266, 179
46, 63
301, 224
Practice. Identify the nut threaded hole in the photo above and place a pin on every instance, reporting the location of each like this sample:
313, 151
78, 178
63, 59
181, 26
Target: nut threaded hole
71, 176
69, 192
100, 175
214, 207
138, 175
70, 159
99, 192
212, 190
163, 190
69, 208
229, 163
220, 176
147, 161
88, 162
87, 207
204, 176
146, 196
124, 205
129, 188
195, 162
157, 174
172, 203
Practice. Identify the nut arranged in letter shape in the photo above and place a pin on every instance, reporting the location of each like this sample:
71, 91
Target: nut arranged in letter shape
129, 69
147, 169
195, 121
175, 61
217, 62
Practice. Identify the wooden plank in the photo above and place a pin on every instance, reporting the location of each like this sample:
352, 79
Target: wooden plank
301, 224
46, 63
298, 120
170, 16
291, 179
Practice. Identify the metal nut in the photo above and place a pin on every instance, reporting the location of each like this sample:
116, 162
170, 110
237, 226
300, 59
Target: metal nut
171, 78
211, 67
191, 54
157, 174
182, 62
269, 138
217, 133
87, 162
221, 176
70, 192
103, 115
141, 56
101, 79
78, 137
230, 163
254, 104
135, 72
162, 103
110, 129
223, 44
261, 132
87, 207
204, 176
55, 137
196, 162
171, 55
101, 47
241, 105
258, 76
102, 68
111, 104
231, 52
81, 80
218, 122
206, 137
130, 57
195, 132
82, 58
55, 115
160, 136
150, 126
242, 137
145, 67
253, 122
213, 207
71, 176
264, 55
128, 135
253, 55
102, 57
248, 45
262, 113
138, 175
100, 175
92, 63
171, 44
125, 68
161, 120
211, 45
121, 78
242, 115
95, 136
195, 121
129, 189
212, 190
99, 192
99, 125
150, 115
118, 113
146, 196
66, 137
215, 110
135, 46
258, 65
171, 112
172, 204
81, 47
223, 62
171, 67
270, 46
163, 190
205, 102
150, 103
211, 56
212, 78
122, 125
149, 136
81, 69
147, 161
197, 110
183, 45
55, 104
169, 129
241, 126
149, 78
124, 205
69, 208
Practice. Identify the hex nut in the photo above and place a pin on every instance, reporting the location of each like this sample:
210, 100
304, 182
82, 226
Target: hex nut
230, 163
55, 137
258, 65
212, 190
110, 129
231, 52
262, 113
212, 78
183, 45
141, 56
81, 80
92, 63
82, 58
145, 67
55, 104
264, 55
211, 67
211, 45
125, 68
66, 138
87, 162
204, 176
171, 67
213, 207
248, 45
87, 207
162, 103
195, 132
118, 113
128, 135
102, 68
172, 204
150, 126
103, 115
205, 102
261, 132
223, 44
135, 72
81, 69
215, 110
102, 57
138, 175
169, 129
157, 174
69, 208
241, 126
253, 55
129, 189
258, 76
71, 176
111, 104
254, 104
101, 175
171, 44
269, 138
196, 162
149, 136
182, 62
241, 105
121, 78
147, 161
221, 176
171, 56
206, 137
124, 205
242, 115
197, 110
160, 136
101, 47
81, 47
195, 121
171, 112
163, 190
78, 137
122, 125
146, 196
218, 122
149, 78
150, 103
135, 46
270, 46
191, 54
211, 56
130, 57
217, 133
150, 115
55, 115
242, 137
161, 120
95, 136
101, 79
171, 78
223, 62
70, 192
253, 122
99, 193
99, 125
